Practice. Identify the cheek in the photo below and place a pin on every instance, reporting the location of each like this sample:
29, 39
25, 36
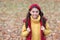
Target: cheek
37, 13
31, 13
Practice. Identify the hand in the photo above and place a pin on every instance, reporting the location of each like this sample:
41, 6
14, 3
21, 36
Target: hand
28, 29
42, 28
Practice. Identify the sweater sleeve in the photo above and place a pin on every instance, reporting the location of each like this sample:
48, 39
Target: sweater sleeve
47, 30
24, 32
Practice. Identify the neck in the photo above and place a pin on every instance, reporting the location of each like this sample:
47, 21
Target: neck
35, 19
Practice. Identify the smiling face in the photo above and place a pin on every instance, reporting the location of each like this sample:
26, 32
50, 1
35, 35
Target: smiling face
34, 13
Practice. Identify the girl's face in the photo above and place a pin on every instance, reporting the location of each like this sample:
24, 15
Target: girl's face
34, 13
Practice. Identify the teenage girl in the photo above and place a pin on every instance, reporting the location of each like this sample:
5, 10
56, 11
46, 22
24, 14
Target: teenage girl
35, 25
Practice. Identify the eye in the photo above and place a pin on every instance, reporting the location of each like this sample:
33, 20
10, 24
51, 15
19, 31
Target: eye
33, 11
37, 11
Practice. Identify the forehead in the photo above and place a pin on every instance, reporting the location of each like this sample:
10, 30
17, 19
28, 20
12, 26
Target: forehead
34, 9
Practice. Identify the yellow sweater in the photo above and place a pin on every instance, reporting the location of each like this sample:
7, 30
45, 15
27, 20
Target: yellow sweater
35, 26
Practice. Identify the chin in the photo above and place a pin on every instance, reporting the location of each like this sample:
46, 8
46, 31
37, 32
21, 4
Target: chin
35, 17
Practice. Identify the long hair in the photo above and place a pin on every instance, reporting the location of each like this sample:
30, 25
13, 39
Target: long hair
42, 19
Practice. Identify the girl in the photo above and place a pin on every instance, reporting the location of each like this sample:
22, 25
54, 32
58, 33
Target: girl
35, 25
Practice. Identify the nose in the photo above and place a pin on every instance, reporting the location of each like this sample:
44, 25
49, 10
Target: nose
35, 12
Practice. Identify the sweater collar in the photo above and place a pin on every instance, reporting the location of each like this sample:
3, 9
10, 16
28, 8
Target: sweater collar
35, 20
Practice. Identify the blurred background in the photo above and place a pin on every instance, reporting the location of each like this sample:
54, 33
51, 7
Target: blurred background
12, 12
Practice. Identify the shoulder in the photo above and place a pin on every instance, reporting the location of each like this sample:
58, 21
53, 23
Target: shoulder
24, 20
44, 18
